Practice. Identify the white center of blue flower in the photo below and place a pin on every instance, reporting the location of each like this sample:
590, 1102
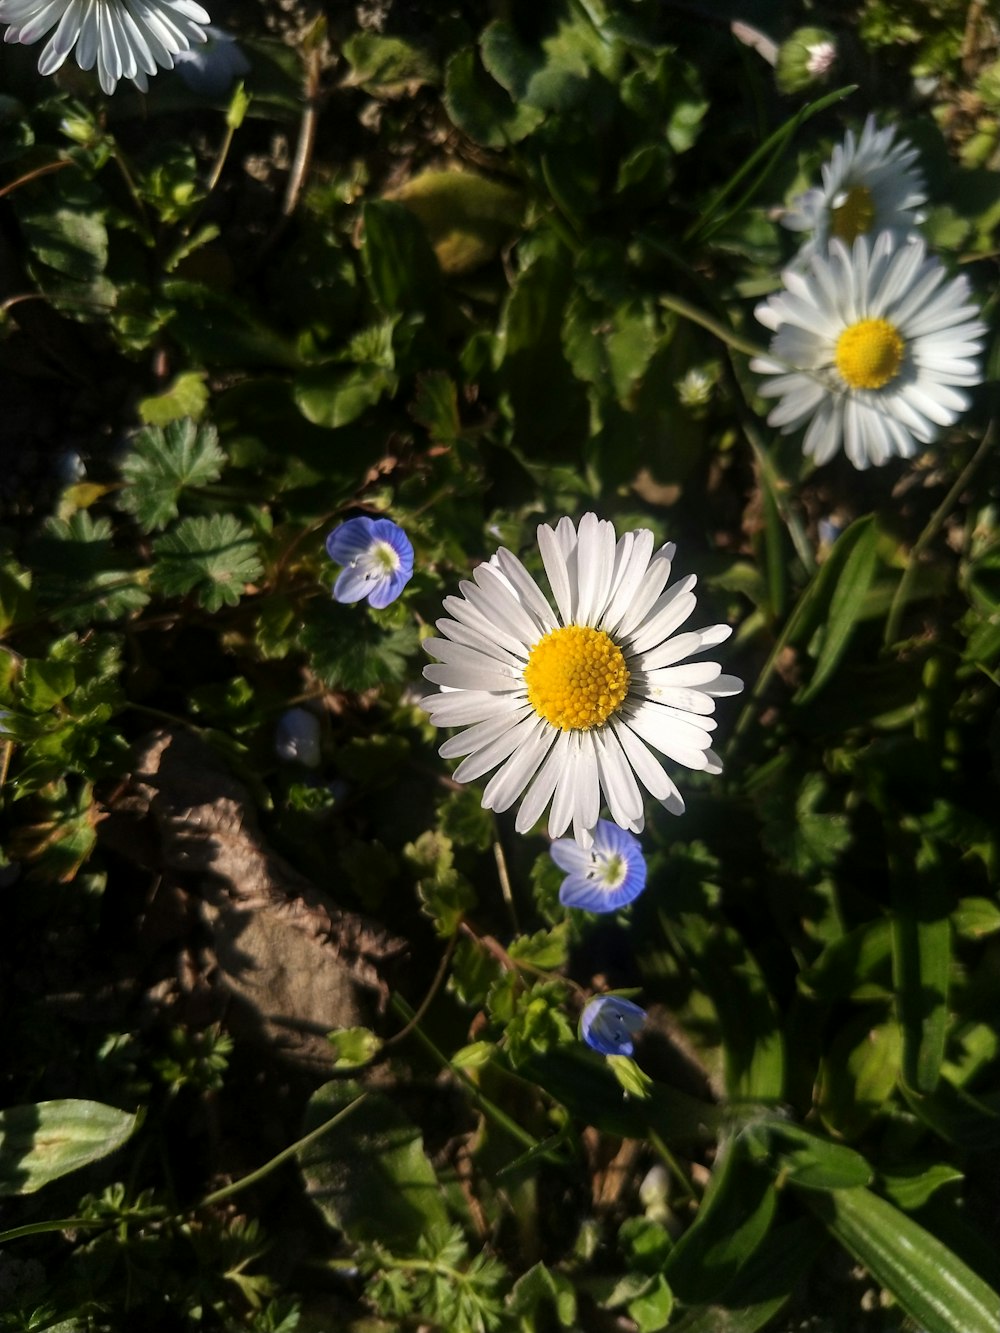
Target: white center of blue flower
380, 561
609, 869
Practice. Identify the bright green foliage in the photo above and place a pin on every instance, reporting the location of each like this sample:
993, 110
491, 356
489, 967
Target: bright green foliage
161, 464
214, 556
473, 268
41, 1142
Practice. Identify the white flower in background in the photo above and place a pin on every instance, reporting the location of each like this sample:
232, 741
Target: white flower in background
568, 704
126, 39
873, 346
870, 185
820, 58
695, 387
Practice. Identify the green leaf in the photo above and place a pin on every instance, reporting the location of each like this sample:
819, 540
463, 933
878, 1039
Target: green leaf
542, 1287
353, 1047
390, 66
652, 1310
909, 1187
555, 75
41, 1142
331, 395
215, 556
467, 217
731, 1223
858, 1073
44, 684
934, 1287
81, 575
17, 601
753, 1045
187, 396
975, 917
835, 599
763, 1286
858, 966
806, 1159
162, 463
634, 1082
813, 838
921, 956
481, 108
371, 1179
217, 329
351, 650
63, 226
399, 265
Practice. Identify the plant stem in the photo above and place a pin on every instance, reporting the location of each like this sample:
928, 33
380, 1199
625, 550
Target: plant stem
724, 334
227, 1191
927, 536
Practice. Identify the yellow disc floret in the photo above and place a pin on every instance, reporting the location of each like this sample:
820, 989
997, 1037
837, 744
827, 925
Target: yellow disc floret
854, 215
576, 677
869, 354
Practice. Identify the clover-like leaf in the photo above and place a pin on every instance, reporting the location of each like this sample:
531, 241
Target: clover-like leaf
164, 462
80, 575
215, 556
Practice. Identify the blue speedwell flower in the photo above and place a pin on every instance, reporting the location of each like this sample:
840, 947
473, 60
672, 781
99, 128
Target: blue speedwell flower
377, 559
609, 1025
603, 877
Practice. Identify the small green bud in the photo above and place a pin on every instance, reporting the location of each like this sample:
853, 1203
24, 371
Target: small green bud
805, 59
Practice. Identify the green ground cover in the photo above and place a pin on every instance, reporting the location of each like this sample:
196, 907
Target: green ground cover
293, 1021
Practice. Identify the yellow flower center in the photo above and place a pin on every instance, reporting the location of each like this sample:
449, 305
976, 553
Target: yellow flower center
869, 353
854, 215
576, 677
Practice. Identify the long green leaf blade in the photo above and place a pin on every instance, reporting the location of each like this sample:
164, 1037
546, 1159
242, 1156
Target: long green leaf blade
932, 1284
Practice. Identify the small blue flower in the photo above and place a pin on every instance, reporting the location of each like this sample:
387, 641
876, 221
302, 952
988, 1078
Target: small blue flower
609, 1024
296, 738
211, 69
377, 559
603, 877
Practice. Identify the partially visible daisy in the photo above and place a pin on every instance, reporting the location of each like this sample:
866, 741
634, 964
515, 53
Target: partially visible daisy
874, 347
604, 877
870, 185
568, 704
126, 39
609, 1025
377, 557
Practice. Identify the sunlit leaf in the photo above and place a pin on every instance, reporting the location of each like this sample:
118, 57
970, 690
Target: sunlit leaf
162, 463
41, 1142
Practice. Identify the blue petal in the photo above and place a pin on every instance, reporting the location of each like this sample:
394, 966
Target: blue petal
584, 887
387, 589
352, 585
589, 895
350, 540
609, 1023
383, 529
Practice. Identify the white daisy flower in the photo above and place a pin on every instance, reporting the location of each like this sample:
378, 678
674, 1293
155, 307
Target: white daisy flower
870, 185
873, 346
127, 39
571, 703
